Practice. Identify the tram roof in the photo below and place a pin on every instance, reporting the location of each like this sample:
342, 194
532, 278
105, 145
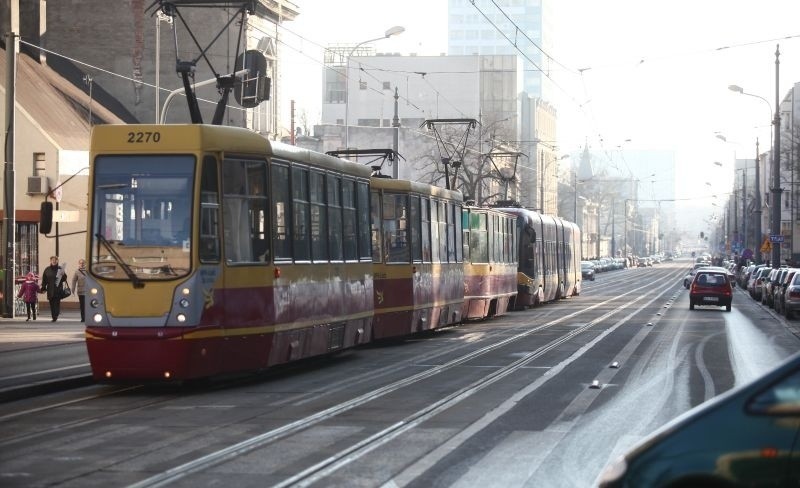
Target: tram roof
415, 187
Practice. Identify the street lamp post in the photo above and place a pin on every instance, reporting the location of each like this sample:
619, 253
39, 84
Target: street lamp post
392, 31
776, 162
775, 175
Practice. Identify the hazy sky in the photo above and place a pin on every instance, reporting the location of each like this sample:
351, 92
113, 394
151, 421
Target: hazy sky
654, 72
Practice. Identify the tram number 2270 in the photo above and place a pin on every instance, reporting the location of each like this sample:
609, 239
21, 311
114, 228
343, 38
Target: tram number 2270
142, 137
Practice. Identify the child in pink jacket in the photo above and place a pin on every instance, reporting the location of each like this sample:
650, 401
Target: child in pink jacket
28, 292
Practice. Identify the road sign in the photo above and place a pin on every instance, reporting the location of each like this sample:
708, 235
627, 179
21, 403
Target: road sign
766, 246
775, 238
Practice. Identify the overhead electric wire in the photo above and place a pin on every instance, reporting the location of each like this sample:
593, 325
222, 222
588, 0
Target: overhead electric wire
111, 73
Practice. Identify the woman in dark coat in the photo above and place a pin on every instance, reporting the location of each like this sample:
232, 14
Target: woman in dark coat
52, 279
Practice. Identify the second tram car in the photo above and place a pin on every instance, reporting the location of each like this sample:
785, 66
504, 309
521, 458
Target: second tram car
490, 262
417, 257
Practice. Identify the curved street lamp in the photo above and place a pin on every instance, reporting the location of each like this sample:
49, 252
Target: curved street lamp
775, 159
392, 31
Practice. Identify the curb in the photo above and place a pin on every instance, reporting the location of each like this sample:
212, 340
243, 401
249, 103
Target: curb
44, 387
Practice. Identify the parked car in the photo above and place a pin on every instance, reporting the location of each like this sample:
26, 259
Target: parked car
779, 299
744, 437
769, 284
711, 286
756, 282
791, 297
587, 270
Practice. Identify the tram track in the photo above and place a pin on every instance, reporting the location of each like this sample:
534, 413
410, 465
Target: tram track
332, 463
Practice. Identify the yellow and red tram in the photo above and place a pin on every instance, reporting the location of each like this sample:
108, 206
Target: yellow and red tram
212, 250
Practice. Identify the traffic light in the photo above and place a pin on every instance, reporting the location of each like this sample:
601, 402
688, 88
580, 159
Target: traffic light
46, 217
255, 85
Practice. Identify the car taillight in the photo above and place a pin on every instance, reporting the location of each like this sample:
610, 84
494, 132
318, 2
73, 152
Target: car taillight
793, 292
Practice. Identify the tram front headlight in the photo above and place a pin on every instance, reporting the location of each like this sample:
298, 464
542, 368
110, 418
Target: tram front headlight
181, 318
97, 318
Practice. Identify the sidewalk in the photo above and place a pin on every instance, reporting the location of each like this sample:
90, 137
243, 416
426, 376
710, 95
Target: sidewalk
16, 332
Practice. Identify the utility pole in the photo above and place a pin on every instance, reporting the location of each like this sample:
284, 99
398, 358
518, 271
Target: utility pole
744, 211
776, 167
396, 136
9, 208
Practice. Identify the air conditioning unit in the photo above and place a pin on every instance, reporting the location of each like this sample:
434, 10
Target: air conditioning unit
37, 185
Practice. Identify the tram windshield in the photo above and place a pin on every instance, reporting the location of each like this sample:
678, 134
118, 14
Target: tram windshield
141, 222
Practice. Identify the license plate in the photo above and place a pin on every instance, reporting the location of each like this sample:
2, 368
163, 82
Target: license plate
710, 299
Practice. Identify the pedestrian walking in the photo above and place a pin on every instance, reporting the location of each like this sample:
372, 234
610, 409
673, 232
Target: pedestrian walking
28, 291
53, 278
79, 286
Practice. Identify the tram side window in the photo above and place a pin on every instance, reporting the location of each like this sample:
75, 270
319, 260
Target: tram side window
529, 251
458, 234
375, 227
510, 240
209, 212
395, 228
434, 231
244, 184
335, 217
349, 219
319, 227
451, 232
414, 226
425, 215
442, 213
302, 217
281, 231
364, 250
479, 240
465, 236
497, 250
